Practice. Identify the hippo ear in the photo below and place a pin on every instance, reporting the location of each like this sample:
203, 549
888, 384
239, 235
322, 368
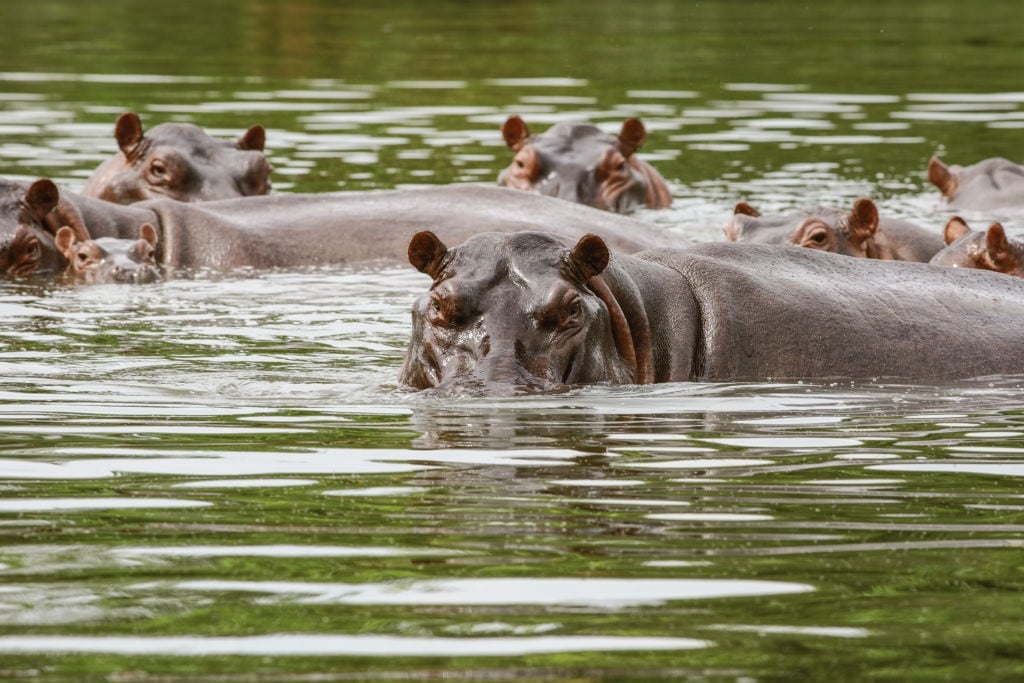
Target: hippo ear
514, 131
128, 132
426, 252
941, 177
956, 228
999, 250
254, 139
862, 223
65, 241
746, 210
590, 256
148, 232
41, 198
632, 136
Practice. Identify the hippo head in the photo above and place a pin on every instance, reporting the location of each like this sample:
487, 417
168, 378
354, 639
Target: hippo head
180, 161
513, 313
581, 163
850, 233
29, 215
988, 250
109, 259
990, 184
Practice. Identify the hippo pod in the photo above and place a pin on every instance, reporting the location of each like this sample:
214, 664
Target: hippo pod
858, 232
179, 161
581, 163
994, 183
988, 250
533, 311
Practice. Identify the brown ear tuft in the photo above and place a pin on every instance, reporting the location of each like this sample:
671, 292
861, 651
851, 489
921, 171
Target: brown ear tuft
42, 197
998, 247
426, 251
940, 176
590, 256
746, 210
148, 232
128, 132
862, 221
65, 241
632, 136
956, 228
514, 131
254, 139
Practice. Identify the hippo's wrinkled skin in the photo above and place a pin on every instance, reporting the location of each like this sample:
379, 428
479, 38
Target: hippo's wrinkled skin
581, 163
987, 250
987, 185
179, 161
298, 230
534, 311
109, 259
30, 214
859, 232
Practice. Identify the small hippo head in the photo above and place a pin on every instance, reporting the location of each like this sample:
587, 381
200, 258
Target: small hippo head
988, 250
29, 214
513, 313
180, 161
109, 259
990, 184
826, 229
581, 163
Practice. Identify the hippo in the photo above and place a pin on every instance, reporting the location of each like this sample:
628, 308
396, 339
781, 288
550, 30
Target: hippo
859, 232
299, 230
991, 184
581, 163
534, 311
988, 250
180, 161
109, 259
30, 215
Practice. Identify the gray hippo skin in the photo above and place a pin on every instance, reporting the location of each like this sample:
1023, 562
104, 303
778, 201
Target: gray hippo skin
581, 163
987, 250
298, 230
30, 215
179, 161
991, 184
859, 232
534, 311
109, 259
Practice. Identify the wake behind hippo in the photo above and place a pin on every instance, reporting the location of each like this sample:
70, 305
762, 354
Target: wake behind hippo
534, 311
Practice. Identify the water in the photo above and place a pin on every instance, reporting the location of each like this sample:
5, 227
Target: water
218, 478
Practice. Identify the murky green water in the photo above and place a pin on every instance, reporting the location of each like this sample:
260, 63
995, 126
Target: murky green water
218, 478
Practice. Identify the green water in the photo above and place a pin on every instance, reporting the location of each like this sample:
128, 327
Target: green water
218, 478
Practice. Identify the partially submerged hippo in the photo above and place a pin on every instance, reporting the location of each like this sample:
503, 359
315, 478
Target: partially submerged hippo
531, 310
180, 161
988, 250
858, 232
30, 215
297, 230
581, 163
109, 259
987, 185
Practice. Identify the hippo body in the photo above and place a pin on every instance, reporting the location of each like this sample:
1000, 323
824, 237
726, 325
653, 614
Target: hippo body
298, 230
179, 161
532, 311
988, 185
987, 250
581, 163
859, 232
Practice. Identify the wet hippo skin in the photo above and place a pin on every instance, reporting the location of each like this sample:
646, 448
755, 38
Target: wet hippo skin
859, 232
109, 259
534, 311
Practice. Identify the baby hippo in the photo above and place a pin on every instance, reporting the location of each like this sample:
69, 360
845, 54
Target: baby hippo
989, 250
109, 259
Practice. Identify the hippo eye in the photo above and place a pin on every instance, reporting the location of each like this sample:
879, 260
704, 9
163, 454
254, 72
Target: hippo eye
33, 249
819, 238
82, 257
158, 168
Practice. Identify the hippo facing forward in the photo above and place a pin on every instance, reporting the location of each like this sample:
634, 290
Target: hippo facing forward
109, 259
529, 311
179, 161
859, 232
987, 185
581, 163
988, 250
